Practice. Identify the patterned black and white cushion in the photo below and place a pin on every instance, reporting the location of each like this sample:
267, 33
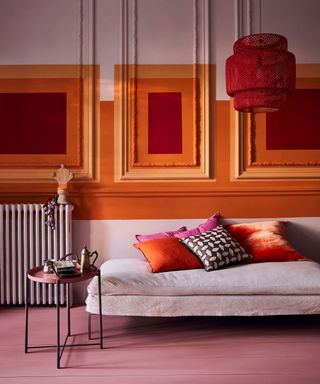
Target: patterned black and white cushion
216, 249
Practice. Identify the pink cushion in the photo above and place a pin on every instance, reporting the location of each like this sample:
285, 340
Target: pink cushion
159, 235
208, 225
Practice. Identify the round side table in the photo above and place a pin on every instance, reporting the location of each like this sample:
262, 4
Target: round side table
37, 275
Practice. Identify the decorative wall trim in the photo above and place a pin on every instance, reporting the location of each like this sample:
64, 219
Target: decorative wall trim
242, 18
245, 129
41, 196
80, 157
128, 166
253, 154
81, 83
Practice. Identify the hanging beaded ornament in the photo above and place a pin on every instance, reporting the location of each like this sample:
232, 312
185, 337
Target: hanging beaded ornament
49, 208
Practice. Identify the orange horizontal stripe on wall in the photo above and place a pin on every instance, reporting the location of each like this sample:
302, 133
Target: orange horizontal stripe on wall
110, 200
122, 208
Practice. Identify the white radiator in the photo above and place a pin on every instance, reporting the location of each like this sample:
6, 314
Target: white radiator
25, 242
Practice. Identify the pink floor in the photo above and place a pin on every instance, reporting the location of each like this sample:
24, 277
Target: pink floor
147, 350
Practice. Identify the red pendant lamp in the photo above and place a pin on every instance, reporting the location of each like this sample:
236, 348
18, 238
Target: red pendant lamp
261, 73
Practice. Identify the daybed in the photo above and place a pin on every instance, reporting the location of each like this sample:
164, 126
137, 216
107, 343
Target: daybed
267, 288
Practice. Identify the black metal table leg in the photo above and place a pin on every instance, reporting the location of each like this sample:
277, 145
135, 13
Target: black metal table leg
26, 313
89, 326
58, 323
100, 309
68, 308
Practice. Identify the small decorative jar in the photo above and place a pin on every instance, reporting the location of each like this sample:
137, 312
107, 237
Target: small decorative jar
48, 266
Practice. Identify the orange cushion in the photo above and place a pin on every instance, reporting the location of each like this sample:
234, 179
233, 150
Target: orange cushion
168, 254
265, 241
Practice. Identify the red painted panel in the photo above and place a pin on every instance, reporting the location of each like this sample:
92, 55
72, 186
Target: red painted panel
33, 123
298, 125
164, 122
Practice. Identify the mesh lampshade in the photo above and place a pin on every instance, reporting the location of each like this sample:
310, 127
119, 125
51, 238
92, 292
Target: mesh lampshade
260, 73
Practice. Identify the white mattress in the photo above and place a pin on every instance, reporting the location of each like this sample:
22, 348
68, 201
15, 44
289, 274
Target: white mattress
134, 277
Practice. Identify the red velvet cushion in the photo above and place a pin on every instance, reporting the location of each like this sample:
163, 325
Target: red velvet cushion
168, 254
264, 241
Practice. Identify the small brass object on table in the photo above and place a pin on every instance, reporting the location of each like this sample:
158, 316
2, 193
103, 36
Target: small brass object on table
85, 259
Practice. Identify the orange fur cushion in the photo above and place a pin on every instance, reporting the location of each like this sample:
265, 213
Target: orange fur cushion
168, 254
264, 241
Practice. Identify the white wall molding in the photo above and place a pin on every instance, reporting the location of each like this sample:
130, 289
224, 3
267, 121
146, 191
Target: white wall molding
129, 24
243, 18
130, 59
